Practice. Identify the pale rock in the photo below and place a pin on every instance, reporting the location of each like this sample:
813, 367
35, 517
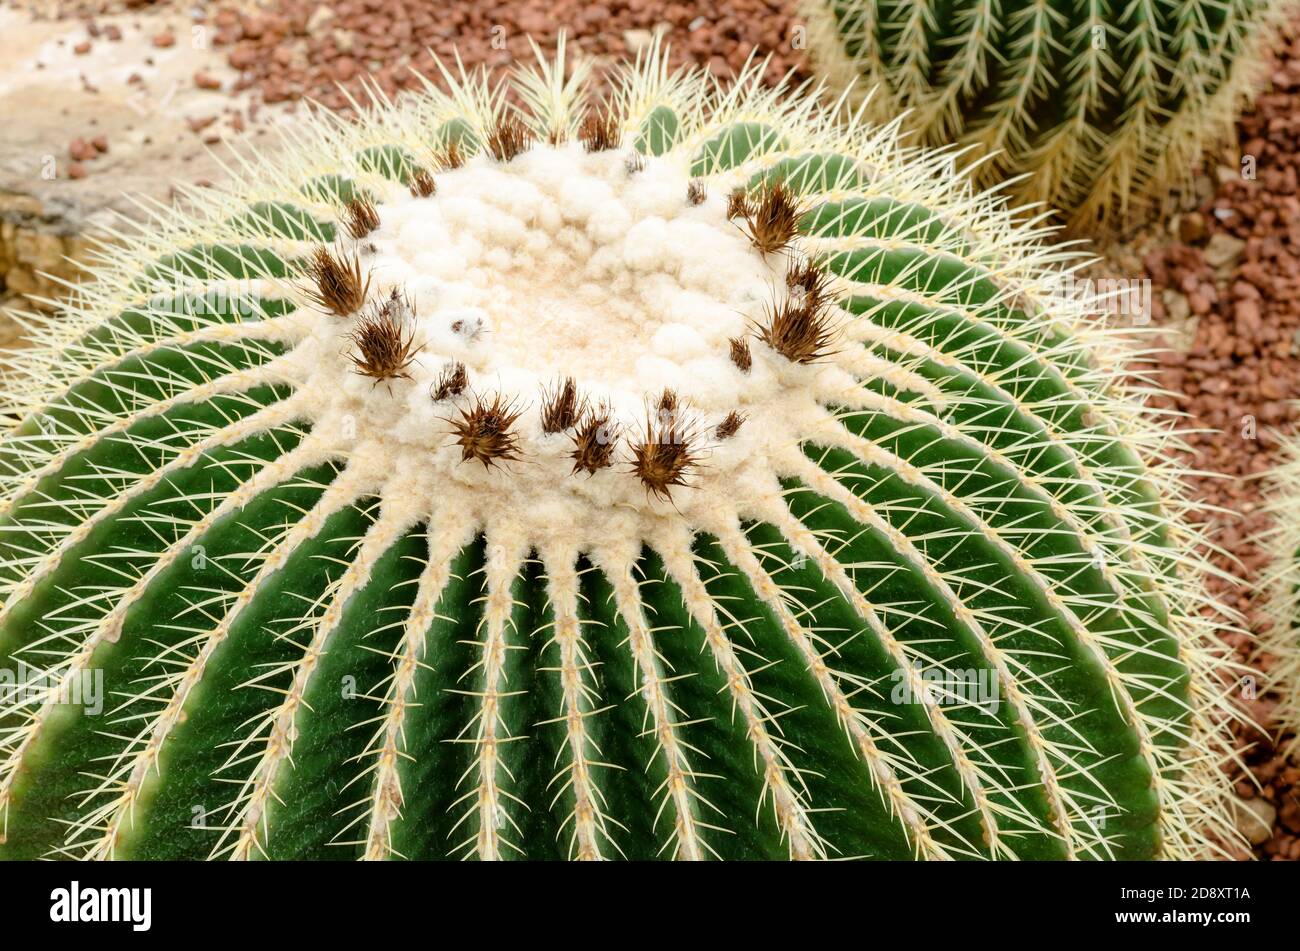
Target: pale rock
637, 40
319, 17
1223, 250
1177, 310
1254, 819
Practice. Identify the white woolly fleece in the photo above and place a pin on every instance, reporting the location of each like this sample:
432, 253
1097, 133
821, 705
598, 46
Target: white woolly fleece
563, 263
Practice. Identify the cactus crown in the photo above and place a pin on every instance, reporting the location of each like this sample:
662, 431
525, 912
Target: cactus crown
707, 478
1096, 108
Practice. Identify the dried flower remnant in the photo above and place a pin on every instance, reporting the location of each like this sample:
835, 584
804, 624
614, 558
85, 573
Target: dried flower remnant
339, 285
508, 138
599, 131
423, 184
483, 431
773, 219
561, 407
451, 382
670, 414
384, 347
451, 156
361, 217
808, 283
729, 426
737, 204
594, 440
662, 457
798, 332
740, 353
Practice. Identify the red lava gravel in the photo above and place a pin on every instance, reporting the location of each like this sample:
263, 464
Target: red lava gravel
1229, 275
308, 49
1236, 271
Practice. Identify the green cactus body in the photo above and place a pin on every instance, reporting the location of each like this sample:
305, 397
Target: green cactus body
1096, 108
867, 552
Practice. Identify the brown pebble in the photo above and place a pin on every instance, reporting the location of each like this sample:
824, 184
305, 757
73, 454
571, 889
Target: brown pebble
81, 150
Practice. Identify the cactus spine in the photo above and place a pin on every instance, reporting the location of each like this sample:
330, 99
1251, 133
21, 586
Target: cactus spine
688, 474
1096, 108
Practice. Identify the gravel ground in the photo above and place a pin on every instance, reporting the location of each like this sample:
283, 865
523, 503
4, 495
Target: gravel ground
307, 49
1225, 275
1228, 278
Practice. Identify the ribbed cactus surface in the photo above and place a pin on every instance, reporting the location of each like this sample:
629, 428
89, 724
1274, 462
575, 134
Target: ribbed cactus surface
1101, 107
682, 474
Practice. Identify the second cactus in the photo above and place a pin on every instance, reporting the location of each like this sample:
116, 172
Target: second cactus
1094, 107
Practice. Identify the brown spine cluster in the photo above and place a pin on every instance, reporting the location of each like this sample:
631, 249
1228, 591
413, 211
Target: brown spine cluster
594, 440
772, 220
599, 131
809, 282
451, 382
483, 431
696, 192
729, 426
384, 348
451, 155
422, 183
339, 286
398, 305
737, 204
361, 217
664, 454
508, 139
740, 354
801, 327
561, 407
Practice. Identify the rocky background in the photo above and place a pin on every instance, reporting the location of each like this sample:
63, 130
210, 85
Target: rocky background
109, 101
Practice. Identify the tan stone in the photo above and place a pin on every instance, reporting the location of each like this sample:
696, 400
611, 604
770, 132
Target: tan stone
7, 231
38, 251
1254, 819
21, 280
1223, 250
18, 205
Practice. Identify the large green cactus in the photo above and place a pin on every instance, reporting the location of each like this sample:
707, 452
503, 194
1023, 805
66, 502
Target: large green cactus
679, 475
1101, 107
